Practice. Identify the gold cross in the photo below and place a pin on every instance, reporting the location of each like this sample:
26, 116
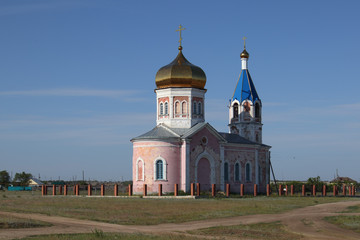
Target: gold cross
244, 42
181, 28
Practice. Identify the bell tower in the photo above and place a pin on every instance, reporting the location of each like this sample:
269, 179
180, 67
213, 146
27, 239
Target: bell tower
245, 105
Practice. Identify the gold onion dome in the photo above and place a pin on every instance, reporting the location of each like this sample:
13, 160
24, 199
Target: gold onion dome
244, 54
180, 73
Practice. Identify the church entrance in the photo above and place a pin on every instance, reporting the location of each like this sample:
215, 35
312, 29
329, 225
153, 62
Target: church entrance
203, 174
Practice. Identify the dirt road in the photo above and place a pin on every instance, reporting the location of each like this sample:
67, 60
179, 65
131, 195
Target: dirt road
306, 221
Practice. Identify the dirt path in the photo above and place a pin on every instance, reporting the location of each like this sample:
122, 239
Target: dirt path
306, 221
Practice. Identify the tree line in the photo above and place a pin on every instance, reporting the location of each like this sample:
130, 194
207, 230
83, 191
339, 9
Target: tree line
20, 179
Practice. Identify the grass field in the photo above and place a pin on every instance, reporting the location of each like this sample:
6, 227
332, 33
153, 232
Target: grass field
112, 236
347, 222
260, 231
7, 222
152, 211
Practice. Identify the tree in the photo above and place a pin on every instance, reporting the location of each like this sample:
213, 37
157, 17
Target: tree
4, 178
22, 178
315, 181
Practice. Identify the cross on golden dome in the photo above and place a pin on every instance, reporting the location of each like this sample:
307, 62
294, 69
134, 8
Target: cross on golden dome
244, 42
181, 28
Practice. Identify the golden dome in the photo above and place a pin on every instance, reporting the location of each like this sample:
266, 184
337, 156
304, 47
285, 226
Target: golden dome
180, 73
244, 54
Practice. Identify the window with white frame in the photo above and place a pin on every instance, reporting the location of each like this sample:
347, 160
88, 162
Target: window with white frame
194, 107
226, 171
161, 109
199, 108
140, 170
259, 174
248, 172
177, 107
160, 169
166, 108
237, 172
184, 107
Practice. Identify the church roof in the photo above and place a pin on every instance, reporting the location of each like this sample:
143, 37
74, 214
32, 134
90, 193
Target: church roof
158, 132
162, 132
180, 73
235, 138
247, 89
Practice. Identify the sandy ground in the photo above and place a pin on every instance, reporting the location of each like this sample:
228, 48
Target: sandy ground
306, 221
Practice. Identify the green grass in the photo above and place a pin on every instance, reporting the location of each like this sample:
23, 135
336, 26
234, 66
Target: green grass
119, 236
7, 222
346, 222
259, 231
352, 209
153, 211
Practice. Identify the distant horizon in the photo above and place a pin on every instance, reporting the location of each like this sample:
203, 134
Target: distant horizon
78, 80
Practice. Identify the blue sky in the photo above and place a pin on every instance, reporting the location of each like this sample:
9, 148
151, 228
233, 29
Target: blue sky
77, 80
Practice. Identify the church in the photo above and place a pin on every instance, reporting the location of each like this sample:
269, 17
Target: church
183, 148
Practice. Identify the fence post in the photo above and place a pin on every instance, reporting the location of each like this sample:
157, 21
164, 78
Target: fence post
334, 190
350, 190
280, 190
144, 190
255, 190
192, 189
77, 190
116, 190
54, 190
160, 190
314, 191
353, 190
42, 190
130, 190
89, 190
268, 190
344, 190
303, 190
227, 190
213, 190
324, 190
65, 190
102, 190
241, 190
176, 189
292, 190
197, 189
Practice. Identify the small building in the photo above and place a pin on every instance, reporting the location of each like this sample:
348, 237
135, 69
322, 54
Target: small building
343, 180
34, 182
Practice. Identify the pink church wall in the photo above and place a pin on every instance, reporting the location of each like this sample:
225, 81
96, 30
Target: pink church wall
197, 147
245, 155
149, 152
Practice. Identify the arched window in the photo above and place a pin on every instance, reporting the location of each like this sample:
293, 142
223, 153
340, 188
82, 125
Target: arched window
199, 108
166, 108
257, 110
161, 109
184, 107
194, 108
226, 171
177, 107
259, 174
140, 170
248, 172
235, 110
159, 165
237, 172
